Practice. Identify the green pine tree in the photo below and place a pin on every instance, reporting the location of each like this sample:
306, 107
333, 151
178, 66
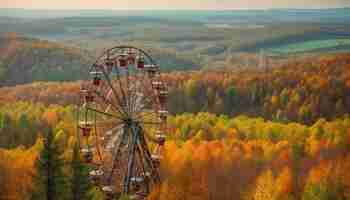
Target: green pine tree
80, 185
50, 181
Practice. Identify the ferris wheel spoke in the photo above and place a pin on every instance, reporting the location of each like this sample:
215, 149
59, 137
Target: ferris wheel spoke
144, 112
136, 100
113, 89
116, 155
145, 102
120, 81
109, 103
131, 159
97, 144
143, 107
133, 93
103, 113
128, 89
150, 123
148, 159
139, 153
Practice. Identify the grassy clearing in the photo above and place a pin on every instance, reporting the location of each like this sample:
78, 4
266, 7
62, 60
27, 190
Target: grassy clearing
311, 45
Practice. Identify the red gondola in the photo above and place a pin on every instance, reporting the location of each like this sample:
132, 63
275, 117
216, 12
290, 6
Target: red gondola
86, 131
96, 78
140, 62
131, 57
122, 60
89, 97
163, 94
156, 160
157, 85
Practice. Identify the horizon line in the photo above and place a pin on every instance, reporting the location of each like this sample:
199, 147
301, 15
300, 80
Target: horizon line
172, 9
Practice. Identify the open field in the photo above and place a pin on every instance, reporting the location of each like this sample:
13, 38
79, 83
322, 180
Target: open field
312, 45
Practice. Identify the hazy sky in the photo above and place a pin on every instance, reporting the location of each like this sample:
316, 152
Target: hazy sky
172, 4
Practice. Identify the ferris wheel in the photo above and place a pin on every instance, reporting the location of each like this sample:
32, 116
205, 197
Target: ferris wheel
122, 122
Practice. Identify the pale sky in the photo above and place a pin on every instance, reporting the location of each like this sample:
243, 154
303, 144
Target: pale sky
171, 4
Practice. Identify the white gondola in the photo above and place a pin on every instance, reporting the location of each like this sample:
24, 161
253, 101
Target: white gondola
158, 85
96, 73
84, 91
110, 147
96, 173
137, 179
84, 123
163, 92
163, 112
156, 157
85, 150
109, 191
151, 67
147, 174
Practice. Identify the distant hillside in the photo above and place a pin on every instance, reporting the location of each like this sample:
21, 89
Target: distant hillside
186, 40
260, 16
23, 60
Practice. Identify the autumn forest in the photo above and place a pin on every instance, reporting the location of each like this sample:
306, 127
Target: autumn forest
246, 126
281, 135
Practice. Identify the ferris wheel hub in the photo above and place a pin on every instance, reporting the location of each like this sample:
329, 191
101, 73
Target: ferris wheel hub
129, 121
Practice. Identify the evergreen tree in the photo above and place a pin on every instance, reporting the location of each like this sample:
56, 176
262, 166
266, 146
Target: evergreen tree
50, 181
81, 187
230, 99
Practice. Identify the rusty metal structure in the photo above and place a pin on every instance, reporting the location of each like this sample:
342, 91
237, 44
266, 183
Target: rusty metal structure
121, 122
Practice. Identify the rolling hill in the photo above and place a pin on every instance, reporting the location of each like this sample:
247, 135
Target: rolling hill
23, 60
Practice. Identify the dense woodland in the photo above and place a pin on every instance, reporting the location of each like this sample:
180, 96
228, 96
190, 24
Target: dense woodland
301, 91
206, 157
283, 134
